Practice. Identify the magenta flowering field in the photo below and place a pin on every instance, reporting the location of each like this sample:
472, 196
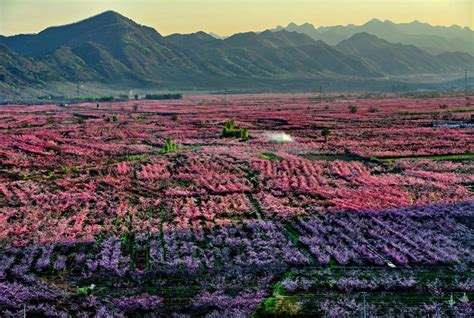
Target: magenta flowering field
96, 221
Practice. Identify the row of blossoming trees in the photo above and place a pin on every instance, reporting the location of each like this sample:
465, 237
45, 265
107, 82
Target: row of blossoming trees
97, 220
176, 269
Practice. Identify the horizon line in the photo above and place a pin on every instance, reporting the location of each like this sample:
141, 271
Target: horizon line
256, 31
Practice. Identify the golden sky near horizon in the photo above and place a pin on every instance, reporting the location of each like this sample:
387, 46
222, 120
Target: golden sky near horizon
227, 17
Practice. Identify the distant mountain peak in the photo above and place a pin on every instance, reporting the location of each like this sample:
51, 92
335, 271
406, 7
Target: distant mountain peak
110, 13
109, 29
106, 17
374, 21
363, 35
191, 40
196, 35
363, 38
245, 35
268, 31
217, 36
307, 24
202, 34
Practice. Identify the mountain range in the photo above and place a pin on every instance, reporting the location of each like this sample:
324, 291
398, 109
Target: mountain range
113, 50
432, 39
402, 59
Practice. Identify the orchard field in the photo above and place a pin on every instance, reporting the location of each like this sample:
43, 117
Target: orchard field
257, 205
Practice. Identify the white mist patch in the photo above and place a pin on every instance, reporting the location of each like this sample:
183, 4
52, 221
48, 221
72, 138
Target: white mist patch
279, 137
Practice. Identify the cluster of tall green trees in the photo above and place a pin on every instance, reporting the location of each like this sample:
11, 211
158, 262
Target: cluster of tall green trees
231, 130
170, 146
163, 96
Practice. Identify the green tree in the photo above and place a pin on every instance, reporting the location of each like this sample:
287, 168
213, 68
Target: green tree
230, 130
170, 146
325, 133
244, 133
353, 109
286, 306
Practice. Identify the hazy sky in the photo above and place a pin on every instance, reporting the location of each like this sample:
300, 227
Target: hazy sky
231, 16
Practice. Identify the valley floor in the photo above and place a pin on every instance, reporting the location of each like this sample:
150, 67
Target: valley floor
339, 207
